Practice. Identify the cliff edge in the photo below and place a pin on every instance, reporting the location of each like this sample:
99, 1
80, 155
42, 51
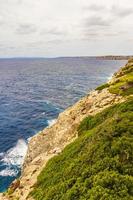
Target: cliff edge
52, 140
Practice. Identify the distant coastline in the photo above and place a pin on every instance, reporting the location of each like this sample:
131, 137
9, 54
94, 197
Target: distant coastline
111, 57
106, 57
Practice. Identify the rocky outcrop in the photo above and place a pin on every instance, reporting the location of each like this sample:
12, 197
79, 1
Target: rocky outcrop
52, 140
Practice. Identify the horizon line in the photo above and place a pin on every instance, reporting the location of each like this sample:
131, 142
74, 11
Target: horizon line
42, 57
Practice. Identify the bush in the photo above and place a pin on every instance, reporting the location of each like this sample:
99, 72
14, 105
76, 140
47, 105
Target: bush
96, 166
101, 87
123, 84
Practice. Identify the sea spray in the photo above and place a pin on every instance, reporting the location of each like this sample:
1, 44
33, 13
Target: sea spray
13, 159
51, 122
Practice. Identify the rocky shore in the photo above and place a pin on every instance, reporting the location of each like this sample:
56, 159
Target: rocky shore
52, 140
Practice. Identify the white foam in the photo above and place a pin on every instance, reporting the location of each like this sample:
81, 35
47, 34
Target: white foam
1, 154
14, 158
15, 155
8, 172
51, 122
109, 77
29, 139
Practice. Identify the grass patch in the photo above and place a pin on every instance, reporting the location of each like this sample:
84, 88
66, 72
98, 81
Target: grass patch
101, 87
98, 165
123, 82
124, 86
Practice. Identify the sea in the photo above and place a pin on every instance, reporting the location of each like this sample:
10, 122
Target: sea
33, 91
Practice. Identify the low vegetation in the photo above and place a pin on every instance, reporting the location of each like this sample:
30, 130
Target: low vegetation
98, 165
123, 82
101, 87
123, 85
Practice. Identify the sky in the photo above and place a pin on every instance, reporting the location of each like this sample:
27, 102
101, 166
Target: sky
52, 28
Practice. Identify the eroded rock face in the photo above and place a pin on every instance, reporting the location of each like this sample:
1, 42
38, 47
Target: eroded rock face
53, 139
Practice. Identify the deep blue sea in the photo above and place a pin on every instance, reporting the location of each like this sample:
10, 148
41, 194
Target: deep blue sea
32, 94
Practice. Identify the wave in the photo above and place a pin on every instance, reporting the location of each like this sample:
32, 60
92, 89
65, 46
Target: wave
9, 172
109, 77
51, 122
14, 158
1, 155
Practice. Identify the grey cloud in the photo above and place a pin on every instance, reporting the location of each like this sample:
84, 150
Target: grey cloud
17, 2
101, 34
115, 33
97, 21
12, 47
52, 31
2, 45
26, 29
111, 34
114, 10
90, 37
95, 7
43, 43
35, 43
1, 20
95, 26
6, 47
55, 41
91, 33
121, 11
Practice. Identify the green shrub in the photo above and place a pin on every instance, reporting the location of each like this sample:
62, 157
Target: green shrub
101, 87
10, 191
96, 166
123, 84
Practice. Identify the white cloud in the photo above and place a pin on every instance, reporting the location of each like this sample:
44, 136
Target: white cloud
60, 27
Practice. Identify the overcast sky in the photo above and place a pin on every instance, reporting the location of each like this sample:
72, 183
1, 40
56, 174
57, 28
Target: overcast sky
52, 28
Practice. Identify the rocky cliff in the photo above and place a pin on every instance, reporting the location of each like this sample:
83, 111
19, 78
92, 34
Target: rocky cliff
52, 140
